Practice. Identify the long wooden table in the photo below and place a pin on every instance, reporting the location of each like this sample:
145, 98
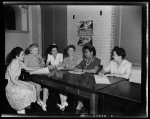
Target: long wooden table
122, 98
78, 84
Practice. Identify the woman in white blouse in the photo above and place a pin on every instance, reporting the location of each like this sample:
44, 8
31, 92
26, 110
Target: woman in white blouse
119, 66
54, 59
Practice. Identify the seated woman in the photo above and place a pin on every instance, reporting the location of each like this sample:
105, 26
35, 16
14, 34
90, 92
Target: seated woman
33, 59
54, 59
20, 94
119, 66
90, 64
69, 62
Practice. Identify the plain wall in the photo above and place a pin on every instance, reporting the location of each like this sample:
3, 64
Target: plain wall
131, 33
14, 39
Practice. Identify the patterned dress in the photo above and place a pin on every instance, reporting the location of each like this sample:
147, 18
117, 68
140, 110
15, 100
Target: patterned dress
70, 64
18, 96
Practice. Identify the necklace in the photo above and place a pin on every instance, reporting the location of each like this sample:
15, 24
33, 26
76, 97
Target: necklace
89, 62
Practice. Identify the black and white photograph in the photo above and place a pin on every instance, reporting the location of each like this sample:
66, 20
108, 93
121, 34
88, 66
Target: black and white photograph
75, 59
83, 40
85, 28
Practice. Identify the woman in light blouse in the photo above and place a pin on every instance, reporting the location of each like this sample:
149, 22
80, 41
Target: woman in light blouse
54, 59
20, 94
119, 66
33, 59
70, 61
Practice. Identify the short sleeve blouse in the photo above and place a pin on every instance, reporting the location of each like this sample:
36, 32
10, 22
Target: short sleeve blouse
59, 59
124, 68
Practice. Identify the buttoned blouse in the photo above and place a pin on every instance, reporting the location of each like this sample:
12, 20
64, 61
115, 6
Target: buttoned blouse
124, 68
55, 61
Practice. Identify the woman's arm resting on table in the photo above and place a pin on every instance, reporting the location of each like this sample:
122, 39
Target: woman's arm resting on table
91, 70
29, 68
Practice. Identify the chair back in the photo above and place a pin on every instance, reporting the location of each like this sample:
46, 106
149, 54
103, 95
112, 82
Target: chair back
100, 68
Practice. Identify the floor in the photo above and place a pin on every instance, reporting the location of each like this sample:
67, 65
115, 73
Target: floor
52, 109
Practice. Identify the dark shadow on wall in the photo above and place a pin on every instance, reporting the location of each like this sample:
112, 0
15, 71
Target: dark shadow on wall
8, 59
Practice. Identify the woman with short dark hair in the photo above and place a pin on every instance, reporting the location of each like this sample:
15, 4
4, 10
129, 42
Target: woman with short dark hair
89, 64
69, 63
20, 94
119, 66
54, 59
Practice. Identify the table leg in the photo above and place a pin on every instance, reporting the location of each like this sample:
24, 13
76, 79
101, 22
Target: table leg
94, 104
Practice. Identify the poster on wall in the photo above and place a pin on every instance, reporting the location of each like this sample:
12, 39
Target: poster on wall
85, 28
85, 40
85, 32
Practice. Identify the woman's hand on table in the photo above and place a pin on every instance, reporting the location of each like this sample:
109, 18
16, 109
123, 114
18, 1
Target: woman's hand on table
101, 74
110, 74
35, 69
77, 70
51, 67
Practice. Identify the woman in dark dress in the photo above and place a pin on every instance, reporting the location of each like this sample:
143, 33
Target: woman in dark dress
89, 64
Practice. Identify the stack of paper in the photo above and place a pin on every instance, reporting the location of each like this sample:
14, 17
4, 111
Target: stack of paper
101, 79
40, 71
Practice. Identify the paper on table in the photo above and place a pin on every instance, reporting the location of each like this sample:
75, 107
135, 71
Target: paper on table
75, 72
40, 71
60, 68
101, 79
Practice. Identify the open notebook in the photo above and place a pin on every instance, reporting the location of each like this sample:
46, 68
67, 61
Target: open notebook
41, 71
101, 79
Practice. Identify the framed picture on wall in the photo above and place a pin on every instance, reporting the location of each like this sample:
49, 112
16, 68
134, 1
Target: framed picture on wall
85, 40
85, 28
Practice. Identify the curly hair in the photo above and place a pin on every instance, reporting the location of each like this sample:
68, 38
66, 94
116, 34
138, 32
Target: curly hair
114, 49
90, 48
34, 45
49, 49
119, 51
67, 48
